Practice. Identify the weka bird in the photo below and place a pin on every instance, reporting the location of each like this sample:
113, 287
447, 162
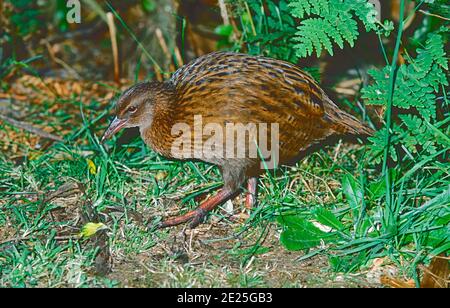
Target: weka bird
226, 87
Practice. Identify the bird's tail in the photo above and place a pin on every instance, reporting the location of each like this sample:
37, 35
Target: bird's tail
346, 124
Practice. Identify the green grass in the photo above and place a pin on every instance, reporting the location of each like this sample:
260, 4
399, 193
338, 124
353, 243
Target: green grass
394, 201
131, 189
397, 210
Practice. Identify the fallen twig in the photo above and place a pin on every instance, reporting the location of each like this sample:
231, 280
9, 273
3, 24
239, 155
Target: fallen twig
30, 128
11, 112
115, 49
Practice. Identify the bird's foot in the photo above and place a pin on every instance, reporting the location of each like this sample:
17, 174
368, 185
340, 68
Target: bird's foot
251, 197
196, 217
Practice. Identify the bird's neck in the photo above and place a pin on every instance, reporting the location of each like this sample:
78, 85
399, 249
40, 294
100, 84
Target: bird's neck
157, 134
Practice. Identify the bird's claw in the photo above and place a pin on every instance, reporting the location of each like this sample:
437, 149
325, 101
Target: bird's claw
196, 217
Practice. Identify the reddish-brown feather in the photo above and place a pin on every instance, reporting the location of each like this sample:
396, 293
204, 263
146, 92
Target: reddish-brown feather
226, 87
238, 88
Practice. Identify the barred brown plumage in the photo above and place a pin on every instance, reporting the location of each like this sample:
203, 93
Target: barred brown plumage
223, 88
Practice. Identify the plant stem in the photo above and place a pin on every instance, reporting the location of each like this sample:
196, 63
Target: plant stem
393, 77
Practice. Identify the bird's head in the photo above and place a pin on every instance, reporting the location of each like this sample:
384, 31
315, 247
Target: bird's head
135, 107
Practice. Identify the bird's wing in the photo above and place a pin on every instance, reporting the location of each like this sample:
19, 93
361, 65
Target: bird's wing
224, 80
230, 88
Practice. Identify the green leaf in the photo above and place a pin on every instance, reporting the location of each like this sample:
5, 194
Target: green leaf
327, 218
353, 192
299, 233
377, 189
441, 249
324, 22
224, 30
438, 237
444, 220
349, 263
148, 5
416, 90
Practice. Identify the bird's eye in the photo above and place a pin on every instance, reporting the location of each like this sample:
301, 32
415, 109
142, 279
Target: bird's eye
132, 109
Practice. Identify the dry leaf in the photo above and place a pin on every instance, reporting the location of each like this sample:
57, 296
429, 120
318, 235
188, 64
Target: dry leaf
90, 229
437, 274
92, 167
397, 283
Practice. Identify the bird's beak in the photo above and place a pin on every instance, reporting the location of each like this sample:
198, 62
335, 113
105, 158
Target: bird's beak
116, 125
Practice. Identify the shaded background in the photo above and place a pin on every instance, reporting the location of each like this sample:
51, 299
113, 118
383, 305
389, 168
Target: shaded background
38, 31
57, 83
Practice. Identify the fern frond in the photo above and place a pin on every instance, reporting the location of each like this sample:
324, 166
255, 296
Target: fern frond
377, 148
330, 21
439, 7
419, 81
418, 135
303, 8
366, 12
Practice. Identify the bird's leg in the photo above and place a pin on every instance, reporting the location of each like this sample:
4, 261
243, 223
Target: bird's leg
252, 186
197, 215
